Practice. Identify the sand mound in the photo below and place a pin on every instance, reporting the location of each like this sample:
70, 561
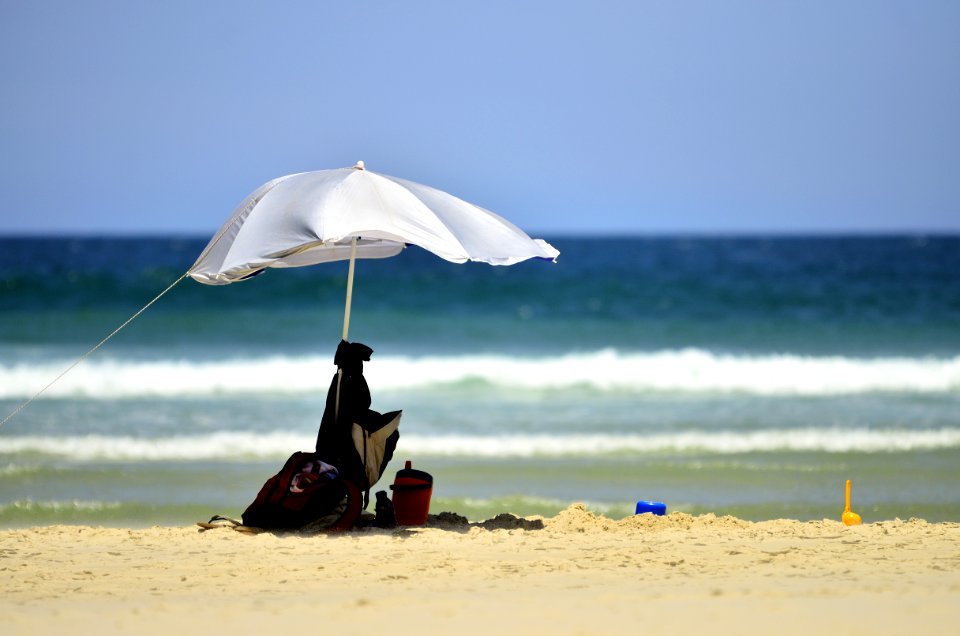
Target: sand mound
577, 518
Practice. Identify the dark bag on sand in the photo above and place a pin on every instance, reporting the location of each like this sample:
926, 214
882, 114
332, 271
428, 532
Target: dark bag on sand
306, 491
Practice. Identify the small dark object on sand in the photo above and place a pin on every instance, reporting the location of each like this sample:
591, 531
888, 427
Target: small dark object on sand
386, 516
505, 521
448, 520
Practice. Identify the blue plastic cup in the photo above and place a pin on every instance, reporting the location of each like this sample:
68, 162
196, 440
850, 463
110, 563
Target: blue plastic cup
653, 507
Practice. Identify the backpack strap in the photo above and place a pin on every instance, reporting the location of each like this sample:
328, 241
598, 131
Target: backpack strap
352, 513
366, 493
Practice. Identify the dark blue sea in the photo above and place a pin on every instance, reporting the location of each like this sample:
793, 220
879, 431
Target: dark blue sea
748, 376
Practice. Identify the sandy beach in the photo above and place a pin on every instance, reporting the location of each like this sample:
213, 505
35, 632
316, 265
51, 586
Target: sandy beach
578, 574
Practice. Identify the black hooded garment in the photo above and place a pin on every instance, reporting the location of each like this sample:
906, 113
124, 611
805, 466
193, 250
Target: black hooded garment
335, 437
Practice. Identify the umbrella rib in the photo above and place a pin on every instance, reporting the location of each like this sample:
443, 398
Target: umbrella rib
223, 230
389, 211
233, 220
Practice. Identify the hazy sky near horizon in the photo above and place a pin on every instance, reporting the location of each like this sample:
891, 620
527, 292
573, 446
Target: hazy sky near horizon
640, 117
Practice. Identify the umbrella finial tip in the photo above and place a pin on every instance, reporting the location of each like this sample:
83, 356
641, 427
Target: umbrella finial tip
359, 166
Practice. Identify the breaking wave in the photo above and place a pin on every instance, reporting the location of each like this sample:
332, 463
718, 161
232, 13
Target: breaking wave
686, 370
252, 446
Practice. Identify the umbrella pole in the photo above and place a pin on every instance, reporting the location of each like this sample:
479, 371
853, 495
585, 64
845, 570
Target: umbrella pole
346, 309
346, 321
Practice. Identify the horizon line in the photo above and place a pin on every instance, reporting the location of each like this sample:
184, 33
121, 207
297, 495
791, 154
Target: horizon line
559, 234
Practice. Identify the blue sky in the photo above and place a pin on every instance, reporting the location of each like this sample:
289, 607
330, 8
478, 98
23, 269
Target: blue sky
640, 117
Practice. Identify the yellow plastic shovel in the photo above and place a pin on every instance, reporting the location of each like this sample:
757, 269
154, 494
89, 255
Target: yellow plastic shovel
849, 518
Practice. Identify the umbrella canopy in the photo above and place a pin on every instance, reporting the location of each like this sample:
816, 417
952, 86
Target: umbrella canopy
327, 215
331, 215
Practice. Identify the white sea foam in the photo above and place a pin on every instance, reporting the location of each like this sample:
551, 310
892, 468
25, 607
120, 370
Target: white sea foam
822, 440
215, 446
234, 446
686, 370
29, 505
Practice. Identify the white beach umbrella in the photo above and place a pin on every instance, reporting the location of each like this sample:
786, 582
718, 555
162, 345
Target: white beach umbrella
349, 213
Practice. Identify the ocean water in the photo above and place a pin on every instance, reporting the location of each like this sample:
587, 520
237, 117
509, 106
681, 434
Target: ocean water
745, 376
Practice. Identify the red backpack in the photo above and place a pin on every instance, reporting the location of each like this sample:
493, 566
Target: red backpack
306, 491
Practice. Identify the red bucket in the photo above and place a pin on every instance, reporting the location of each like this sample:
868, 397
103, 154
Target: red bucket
411, 496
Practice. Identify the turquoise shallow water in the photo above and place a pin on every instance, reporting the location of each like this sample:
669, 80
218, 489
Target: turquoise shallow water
737, 376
